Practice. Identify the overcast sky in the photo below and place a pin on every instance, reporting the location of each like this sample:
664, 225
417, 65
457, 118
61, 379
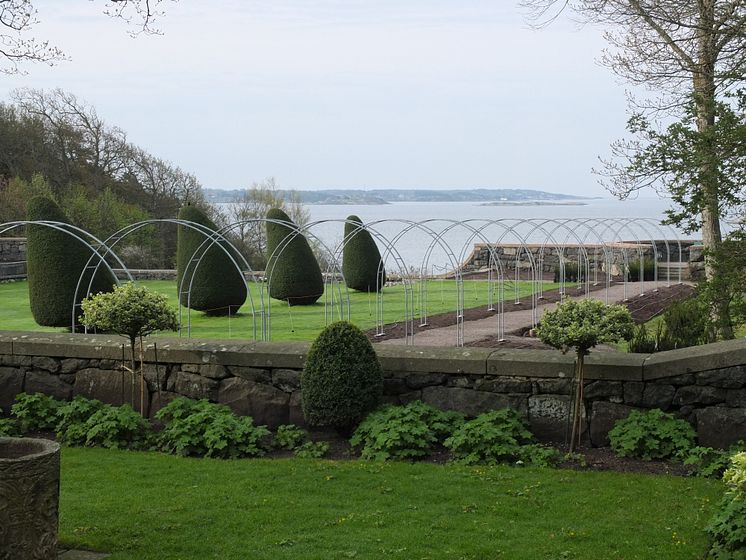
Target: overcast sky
346, 93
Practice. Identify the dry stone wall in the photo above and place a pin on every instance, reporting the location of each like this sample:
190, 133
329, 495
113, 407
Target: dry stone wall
705, 385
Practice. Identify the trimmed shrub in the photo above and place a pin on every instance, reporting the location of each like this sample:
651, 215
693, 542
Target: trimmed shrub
342, 380
293, 272
55, 262
404, 432
361, 260
500, 436
652, 434
218, 288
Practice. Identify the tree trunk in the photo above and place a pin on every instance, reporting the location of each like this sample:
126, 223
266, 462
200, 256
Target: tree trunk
704, 98
578, 402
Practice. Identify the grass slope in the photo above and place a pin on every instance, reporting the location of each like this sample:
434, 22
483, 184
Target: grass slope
152, 506
287, 323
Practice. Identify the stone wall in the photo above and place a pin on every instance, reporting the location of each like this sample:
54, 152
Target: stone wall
705, 385
12, 257
548, 256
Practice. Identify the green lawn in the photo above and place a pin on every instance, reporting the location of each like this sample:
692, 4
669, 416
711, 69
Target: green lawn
152, 506
287, 323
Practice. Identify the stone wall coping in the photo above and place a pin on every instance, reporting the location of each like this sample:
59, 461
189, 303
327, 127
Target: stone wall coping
462, 361
727, 353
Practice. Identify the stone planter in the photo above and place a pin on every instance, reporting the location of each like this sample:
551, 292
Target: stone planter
29, 498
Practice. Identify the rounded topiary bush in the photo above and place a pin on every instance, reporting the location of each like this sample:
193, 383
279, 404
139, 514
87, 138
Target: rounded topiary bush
218, 288
342, 380
55, 262
361, 260
293, 272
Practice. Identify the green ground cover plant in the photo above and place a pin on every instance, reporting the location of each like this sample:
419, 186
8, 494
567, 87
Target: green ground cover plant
149, 506
288, 323
728, 528
652, 434
36, 412
404, 432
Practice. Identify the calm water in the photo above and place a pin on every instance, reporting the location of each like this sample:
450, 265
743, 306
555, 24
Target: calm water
450, 244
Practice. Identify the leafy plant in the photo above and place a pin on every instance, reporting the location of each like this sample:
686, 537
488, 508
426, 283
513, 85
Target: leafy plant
311, 450
728, 528
205, 429
72, 427
290, 436
633, 270
342, 380
688, 323
36, 412
403, 432
710, 462
652, 434
8, 426
500, 436
572, 273
581, 325
117, 427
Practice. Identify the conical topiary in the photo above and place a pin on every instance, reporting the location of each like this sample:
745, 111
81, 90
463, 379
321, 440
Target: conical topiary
293, 272
218, 288
361, 260
55, 262
342, 380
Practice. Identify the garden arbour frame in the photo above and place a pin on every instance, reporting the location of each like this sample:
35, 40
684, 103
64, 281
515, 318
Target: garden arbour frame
596, 240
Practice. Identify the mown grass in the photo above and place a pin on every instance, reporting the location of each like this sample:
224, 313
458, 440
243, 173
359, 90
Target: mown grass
289, 323
152, 506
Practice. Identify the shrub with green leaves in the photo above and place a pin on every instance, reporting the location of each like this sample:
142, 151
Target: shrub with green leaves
572, 273
72, 427
36, 412
500, 436
633, 270
202, 428
117, 427
342, 380
290, 436
8, 427
710, 462
727, 530
404, 432
311, 450
688, 323
652, 434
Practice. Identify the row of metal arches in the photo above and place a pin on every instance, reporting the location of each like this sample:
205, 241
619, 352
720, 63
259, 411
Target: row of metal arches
599, 235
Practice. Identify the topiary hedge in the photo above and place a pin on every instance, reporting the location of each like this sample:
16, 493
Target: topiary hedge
342, 380
293, 272
361, 260
218, 288
55, 262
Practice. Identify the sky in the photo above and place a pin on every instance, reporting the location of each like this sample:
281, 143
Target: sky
346, 93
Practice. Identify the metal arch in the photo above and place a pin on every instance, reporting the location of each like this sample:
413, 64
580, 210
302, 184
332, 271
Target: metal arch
423, 267
389, 249
65, 228
274, 257
118, 236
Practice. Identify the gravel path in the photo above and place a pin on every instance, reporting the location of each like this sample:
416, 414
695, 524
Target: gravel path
515, 321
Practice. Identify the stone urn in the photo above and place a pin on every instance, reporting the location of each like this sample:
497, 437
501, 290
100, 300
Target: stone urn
29, 498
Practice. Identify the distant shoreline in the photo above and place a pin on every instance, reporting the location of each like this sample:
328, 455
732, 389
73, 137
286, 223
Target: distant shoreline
532, 203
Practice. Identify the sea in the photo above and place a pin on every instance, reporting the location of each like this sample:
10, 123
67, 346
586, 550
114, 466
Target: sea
439, 235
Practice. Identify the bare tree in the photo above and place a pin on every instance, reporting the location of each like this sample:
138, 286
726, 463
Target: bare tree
687, 52
18, 17
253, 204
